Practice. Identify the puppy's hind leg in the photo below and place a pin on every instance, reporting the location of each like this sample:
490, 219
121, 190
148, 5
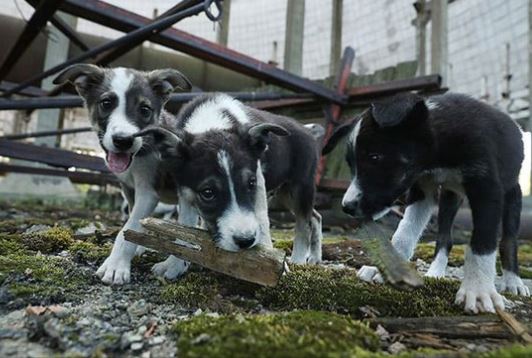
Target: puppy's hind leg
315, 238
511, 217
449, 204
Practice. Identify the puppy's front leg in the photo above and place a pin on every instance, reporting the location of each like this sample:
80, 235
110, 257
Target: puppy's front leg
117, 267
410, 229
477, 292
172, 267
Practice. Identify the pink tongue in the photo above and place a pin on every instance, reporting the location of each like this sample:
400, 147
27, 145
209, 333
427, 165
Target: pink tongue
118, 162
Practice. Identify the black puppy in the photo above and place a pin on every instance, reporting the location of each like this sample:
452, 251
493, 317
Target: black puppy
228, 156
453, 142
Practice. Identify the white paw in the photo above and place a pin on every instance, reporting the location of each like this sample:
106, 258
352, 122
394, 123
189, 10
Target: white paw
370, 274
512, 283
313, 260
115, 271
298, 259
171, 268
479, 297
140, 250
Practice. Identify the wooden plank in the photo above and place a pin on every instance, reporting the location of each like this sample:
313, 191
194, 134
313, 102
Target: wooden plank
259, 265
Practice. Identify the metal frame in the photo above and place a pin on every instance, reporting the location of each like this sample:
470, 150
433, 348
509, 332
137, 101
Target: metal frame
139, 29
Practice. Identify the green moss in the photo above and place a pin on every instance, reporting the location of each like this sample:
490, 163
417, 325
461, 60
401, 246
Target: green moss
196, 289
48, 241
319, 288
88, 252
10, 244
315, 288
426, 253
285, 245
41, 278
294, 334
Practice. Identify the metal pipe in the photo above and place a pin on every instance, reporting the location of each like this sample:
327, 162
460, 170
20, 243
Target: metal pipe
76, 101
46, 133
153, 27
38, 20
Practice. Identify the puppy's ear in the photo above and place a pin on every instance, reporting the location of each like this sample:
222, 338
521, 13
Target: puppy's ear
339, 133
403, 109
83, 76
166, 81
259, 134
170, 144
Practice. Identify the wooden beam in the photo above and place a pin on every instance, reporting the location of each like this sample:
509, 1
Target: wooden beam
295, 27
259, 265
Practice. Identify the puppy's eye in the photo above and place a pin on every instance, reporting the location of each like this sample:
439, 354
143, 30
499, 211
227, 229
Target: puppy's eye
106, 104
252, 183
145, 111
207, 194
375, 157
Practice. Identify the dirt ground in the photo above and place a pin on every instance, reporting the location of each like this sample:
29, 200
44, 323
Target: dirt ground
51, 304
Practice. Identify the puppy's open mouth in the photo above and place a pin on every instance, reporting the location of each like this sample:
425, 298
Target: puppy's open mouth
118, 162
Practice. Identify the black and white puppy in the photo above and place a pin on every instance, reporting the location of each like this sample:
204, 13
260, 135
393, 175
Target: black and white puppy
120, 103
454, 143
229, 156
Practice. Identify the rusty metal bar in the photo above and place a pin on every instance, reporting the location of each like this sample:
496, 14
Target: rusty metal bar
176, 98
333, 111
74, 176
123, 20
46, 133
63, 27
30, 91
51, 156
139, 32
38, 20
425, 83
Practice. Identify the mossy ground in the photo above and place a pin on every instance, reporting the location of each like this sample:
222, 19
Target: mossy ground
294, 334
314, 311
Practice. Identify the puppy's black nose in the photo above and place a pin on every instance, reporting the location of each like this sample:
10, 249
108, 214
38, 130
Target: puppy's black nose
244, 242
350, 208
122, 142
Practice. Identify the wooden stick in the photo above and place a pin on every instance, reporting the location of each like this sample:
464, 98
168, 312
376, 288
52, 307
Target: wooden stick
463, 327
260, 265
393, 267
518, 329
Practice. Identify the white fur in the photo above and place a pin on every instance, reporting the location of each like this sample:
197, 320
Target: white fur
353, 193
512, 283
431, 104
381, 213
438, 266
477, 292
118, 120
411, 227
234, 221
173, 267
370, 274
209, 116
261, 209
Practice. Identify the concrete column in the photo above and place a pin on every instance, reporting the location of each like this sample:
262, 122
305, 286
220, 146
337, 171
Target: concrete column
223, 28
336, 36
295, 25
439, 49
56, 53
420, 22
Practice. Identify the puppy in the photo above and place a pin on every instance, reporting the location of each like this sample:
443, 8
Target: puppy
120, 103
408, 144
229, 156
